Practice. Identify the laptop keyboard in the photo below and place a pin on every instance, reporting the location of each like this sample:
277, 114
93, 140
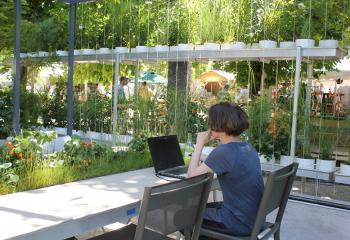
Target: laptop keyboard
166, 174
177, 171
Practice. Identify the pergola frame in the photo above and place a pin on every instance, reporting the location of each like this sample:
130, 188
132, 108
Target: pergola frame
17, 65
298, 54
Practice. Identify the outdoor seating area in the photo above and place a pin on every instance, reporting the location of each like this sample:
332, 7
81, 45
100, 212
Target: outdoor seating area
182, 119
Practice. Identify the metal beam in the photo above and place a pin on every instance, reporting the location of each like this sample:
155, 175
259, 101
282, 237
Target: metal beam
211, 55
17, 70
72, 16
76, 1
295, 102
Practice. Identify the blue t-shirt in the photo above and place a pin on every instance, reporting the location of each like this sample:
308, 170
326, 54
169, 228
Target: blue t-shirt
238, 170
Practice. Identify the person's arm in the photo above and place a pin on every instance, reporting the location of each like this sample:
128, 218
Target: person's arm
195, 168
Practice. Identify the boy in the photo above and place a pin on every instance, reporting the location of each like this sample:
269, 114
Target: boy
237, 166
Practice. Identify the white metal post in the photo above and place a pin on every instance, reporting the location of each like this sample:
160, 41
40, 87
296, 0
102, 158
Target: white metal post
115, 98
295, 102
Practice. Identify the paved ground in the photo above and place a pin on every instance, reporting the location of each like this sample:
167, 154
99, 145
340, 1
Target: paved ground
303, 221
310, 222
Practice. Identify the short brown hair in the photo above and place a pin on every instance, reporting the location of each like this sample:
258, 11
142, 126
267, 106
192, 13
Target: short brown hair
228, 118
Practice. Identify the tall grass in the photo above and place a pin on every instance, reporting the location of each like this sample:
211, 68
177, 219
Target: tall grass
47, 176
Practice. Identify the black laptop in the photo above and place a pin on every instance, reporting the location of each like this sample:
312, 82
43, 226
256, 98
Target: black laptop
167, 157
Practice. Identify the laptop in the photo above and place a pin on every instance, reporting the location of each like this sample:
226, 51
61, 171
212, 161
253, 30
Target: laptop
167, 157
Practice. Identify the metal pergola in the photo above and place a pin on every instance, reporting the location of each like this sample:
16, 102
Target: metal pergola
17, 64
297, 54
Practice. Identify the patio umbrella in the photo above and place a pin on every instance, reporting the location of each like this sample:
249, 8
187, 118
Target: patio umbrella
213, 86
215, 80
152, 77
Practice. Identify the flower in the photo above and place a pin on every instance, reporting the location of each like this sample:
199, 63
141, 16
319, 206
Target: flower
12, 152
20, 155
87, 146
9, 145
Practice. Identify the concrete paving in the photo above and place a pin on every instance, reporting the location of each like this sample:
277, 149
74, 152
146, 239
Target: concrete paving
301, 221
304, 221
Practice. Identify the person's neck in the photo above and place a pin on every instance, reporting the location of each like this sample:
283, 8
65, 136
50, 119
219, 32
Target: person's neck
228, 138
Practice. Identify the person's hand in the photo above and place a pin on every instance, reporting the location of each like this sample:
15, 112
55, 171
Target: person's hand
203, 138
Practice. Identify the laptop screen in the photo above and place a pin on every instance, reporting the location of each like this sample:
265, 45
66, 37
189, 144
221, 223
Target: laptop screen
165, 152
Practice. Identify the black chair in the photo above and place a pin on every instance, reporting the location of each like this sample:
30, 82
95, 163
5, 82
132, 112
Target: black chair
168, 208
277, 189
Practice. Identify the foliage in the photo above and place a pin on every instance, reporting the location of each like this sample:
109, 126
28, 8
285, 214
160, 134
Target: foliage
5, 112
259, 135
94, 114
7, 174
138, 143
21, 154
29, 112
79, 160
54, 108
328, 142
27, 146
280, 131
93, 73
81, 153
197, 116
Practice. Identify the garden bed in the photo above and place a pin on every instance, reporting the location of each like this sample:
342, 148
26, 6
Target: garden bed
23, 166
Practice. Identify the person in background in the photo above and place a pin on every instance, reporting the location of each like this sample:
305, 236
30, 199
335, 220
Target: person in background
238, 170
145, 95
242, 96
145, 92
122, 92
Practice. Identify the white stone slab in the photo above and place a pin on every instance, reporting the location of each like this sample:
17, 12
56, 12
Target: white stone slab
58, 143
269, 167
341, 178
315, 174
62, 211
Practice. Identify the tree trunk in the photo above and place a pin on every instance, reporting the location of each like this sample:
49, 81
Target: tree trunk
179, 77
24, 77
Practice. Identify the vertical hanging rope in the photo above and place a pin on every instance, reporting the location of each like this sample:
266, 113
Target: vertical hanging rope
187, 82
325, 20
130, 21
310, 13
177, 69
81, 28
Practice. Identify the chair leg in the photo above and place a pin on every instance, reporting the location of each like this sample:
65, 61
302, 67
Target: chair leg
277, 235
179, 236
187, 234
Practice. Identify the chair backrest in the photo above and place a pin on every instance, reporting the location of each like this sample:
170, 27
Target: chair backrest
277, 189
174, 206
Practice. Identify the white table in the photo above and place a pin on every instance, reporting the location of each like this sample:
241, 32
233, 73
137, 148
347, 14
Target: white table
66, 210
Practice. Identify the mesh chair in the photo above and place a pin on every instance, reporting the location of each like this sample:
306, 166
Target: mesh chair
277, 188
166, 209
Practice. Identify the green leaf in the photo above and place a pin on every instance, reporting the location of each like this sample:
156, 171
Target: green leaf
13, 178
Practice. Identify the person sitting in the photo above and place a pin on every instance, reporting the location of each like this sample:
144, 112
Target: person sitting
238, 170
